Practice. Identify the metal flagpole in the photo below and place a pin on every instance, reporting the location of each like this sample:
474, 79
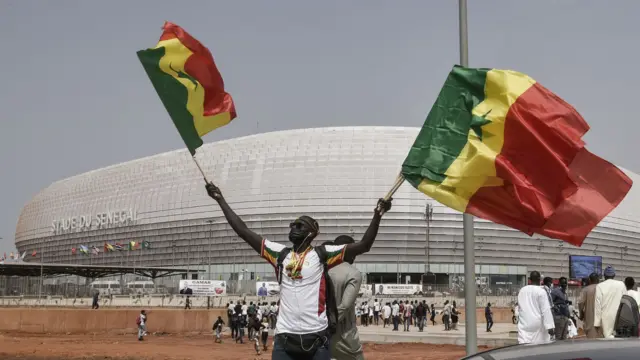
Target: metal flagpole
471, 329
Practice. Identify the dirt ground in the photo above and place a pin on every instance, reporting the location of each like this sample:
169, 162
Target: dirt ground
171, 347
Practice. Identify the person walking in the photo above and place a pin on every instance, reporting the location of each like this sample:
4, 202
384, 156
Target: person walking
488, 316
217, 327
608, 296
535, 322
376, 311
560, 309
395, 315
95, 305
446, 316
586, 307
141, 321
408, 310
420, 315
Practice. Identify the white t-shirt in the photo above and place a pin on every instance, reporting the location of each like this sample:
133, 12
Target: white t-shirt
231, 306
395, 309
386, 311
376, 306
302, 300
244, 309
143, 319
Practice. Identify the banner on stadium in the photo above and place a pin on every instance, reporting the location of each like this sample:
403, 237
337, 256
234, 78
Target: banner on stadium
365, 290
397, 289
267, 288
203, 287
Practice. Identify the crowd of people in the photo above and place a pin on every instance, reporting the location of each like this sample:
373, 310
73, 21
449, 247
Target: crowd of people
545, 313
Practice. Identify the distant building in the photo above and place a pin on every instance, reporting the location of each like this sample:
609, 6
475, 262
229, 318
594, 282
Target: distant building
334, 174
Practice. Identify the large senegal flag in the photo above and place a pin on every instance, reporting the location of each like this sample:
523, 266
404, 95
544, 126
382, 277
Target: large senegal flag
500, 146
189, 84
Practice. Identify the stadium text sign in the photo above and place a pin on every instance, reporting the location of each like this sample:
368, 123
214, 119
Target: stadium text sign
105, 220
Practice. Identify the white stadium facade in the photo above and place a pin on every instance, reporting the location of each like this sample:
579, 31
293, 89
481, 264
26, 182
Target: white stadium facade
335, 175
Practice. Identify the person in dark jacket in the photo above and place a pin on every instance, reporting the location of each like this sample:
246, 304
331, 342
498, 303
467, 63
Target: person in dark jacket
95, 304
421, 313
488, 315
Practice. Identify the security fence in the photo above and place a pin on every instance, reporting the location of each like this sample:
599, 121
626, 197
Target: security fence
79, 287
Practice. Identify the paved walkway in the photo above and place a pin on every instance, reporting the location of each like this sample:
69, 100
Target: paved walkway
501, 335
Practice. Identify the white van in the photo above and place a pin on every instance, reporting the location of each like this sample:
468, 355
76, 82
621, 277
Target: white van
107, 287
140, 287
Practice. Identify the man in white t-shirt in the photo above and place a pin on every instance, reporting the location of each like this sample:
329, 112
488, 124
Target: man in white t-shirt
376, 311
395, 315
386, 314
302, 329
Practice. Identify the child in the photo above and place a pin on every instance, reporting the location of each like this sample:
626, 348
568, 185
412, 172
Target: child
265, 333
141, 321
217, 327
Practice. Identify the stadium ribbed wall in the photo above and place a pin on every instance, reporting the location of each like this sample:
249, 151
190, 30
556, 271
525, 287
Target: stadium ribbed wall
333, 174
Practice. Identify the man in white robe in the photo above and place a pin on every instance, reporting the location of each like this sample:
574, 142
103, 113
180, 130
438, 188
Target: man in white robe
535, 321
608, 296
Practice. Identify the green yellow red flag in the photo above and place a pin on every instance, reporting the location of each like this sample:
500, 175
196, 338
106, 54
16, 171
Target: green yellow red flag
500, 146
189, 84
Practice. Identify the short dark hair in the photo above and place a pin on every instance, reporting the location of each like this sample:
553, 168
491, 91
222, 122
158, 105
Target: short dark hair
547, 280
562, 278
629, 282
343, 240
594, 278
534, 277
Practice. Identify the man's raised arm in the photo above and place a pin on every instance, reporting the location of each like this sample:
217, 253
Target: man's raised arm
250, 237
369, 237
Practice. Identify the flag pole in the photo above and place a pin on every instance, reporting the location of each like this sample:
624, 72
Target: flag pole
395, 187
200, 168
471, 328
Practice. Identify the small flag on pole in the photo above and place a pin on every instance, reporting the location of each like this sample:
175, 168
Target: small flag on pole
118, 247
500, 146
189, 84
34, 253
146, 245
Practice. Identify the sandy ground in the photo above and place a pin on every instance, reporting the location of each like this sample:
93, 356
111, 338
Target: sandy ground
168, 347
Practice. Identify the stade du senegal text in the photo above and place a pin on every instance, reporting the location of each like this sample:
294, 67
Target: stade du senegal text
102, 220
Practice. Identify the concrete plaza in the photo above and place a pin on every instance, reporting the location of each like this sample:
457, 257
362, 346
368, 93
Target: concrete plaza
500, 335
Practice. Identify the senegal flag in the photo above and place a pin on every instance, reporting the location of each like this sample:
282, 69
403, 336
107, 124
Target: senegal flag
189, 84
500, 146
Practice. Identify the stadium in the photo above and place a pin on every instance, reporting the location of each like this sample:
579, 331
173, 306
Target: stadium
335, 175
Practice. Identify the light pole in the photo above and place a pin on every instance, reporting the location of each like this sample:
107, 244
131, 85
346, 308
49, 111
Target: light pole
539, 247
561, 250
428, 215
623, 251
398, 266
210, 222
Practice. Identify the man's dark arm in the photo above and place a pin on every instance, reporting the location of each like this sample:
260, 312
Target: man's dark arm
254, 240
369, 237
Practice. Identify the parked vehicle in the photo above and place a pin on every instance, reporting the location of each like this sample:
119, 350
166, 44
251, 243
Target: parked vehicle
106, 287
599, 349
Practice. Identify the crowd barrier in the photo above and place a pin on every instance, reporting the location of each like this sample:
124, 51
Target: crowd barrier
87, 321
123, 321
176, 301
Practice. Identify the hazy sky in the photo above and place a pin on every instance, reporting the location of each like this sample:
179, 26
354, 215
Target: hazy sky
74, 97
